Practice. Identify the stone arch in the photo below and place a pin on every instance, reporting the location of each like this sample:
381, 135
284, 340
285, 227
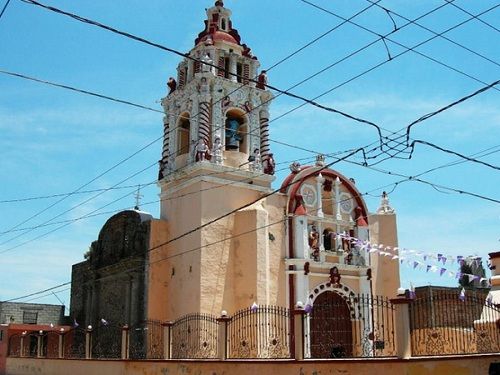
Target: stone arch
346, 293
183, 133
330, 324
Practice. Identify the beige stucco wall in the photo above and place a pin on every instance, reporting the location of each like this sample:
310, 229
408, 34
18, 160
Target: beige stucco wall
471, 365
383, 230
202, 273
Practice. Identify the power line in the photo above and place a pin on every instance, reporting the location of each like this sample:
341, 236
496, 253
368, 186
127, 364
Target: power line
389, 11
407, 49
395, 185
81, 91
412, 146
4, 8
36, 293
475, 17
187, 56
41, 197
141, 106
451, 105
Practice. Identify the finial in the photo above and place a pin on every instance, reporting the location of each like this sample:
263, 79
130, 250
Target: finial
385, 207
219, 3
320, 160
138, 197
295, 167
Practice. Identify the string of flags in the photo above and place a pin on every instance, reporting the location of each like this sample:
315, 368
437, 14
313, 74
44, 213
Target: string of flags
436, 263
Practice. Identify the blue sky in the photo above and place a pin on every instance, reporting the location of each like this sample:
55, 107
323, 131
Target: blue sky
54, 141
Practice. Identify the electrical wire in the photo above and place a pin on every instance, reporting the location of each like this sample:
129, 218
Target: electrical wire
4, 8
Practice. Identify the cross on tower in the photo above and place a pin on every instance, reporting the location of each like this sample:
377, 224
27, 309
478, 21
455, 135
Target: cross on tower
138, 197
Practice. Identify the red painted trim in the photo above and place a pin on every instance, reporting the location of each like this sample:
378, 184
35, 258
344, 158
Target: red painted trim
494, 255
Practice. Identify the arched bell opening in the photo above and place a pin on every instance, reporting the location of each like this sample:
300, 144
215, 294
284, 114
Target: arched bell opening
183, 134
236, 131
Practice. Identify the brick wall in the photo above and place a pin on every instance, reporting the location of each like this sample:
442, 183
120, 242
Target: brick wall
14, 312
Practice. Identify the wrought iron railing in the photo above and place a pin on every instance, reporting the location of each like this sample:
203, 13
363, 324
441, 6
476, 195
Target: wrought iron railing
260, 332
334, 325
345, 326
195, 336
441, 323
146, 340
106, 341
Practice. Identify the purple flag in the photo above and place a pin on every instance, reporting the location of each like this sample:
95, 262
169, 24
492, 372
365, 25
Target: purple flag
308, 308
428, 268
415, 264
443, 270
425, 258
444, 259
461, 297
439, 257
75, 324
458, 275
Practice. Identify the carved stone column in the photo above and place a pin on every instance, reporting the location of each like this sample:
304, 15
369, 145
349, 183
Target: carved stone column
264, 134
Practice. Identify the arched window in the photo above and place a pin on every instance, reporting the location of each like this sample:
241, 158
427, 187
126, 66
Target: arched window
183, 134
236, 131
223, 24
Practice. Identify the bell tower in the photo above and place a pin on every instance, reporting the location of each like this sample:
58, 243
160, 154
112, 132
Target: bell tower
217, 110
215, 159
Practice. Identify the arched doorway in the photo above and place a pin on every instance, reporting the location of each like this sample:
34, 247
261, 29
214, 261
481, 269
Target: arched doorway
330, 327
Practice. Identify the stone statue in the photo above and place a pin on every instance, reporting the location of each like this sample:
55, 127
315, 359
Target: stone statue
217, 151
207, 63
232, 137
262, 80
295, 167
335, 277
269, 165
314, 243
201, 150
255, 162
172, 85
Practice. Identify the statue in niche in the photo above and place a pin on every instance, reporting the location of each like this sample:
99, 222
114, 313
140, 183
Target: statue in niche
255, 161
314, 243
204, 87
207, 63
217, 151
202, 150
269, 165
233, 139
226, 103
335, 277
172, 85
209, 41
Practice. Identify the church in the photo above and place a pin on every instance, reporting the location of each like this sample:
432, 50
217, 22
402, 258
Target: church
229, 236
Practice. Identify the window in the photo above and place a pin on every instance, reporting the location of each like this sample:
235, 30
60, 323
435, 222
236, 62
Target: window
226, 67
30, 317
183, 134
223, 24
239, 72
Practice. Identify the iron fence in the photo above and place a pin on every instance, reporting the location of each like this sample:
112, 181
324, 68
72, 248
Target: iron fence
74, 343
146, 340
441, 323
261, 332
14, 345
354, 325
107, 342
195, 336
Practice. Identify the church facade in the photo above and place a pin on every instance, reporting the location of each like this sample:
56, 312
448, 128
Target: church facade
225, 239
